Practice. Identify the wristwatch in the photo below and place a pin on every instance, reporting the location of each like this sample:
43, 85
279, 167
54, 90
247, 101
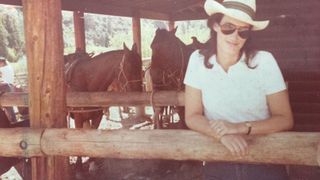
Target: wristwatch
249, 126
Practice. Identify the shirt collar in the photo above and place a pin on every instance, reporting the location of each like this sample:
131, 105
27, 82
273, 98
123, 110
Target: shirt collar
213, 59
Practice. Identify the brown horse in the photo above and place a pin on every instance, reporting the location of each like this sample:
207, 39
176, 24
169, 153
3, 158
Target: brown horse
121, 67
170, 57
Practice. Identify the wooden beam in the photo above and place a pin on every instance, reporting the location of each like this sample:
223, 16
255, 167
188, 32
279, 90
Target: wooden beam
279, 148
187, 4
79, 30
136, 31
11, 2
89, 7
104, 99
47, 107
22, 142
171, 25
182, 16
161, 98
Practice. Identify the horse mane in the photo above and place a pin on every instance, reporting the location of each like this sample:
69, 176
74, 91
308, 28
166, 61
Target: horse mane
108, 52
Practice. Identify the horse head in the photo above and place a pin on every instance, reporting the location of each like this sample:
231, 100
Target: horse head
169, 60
130, 76
165, 47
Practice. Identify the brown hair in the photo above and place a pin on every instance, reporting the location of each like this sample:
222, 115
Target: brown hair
211, 45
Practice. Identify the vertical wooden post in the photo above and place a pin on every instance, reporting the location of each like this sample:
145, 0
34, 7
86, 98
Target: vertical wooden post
79, 30
136, 31
47, 98
171, 25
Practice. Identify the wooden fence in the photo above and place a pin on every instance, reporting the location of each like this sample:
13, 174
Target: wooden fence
279, 148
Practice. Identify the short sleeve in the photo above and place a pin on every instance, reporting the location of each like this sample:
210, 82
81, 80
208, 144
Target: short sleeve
271, 76
192, 77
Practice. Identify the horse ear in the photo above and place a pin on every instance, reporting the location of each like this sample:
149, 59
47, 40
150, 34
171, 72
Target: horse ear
125, 47
134, 48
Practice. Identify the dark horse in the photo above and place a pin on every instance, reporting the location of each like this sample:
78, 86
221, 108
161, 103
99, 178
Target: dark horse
121, 68
170, 57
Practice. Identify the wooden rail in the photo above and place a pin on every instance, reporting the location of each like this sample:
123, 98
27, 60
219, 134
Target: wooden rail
279, 148
90, 99
302, 101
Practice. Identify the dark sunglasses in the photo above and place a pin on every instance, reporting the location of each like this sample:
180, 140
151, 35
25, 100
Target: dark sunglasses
228, 28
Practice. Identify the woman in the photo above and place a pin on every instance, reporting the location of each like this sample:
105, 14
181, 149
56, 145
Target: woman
233, 91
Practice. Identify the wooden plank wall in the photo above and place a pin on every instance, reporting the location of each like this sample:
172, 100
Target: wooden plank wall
294, 40
293, 37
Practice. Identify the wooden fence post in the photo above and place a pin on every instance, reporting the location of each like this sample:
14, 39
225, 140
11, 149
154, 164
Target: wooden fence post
79, 30
47, 98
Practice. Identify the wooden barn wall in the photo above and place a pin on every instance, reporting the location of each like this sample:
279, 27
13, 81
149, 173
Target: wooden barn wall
293, 35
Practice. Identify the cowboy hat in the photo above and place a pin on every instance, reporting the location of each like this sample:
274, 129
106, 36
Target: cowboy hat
242, 10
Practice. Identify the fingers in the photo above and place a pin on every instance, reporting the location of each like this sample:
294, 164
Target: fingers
218, 127
243, 147
236, 144
239, 147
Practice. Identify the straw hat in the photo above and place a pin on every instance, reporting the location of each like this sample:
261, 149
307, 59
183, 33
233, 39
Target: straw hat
242, 10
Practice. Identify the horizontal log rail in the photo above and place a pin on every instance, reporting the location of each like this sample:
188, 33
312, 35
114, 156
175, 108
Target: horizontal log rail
279, 148
160, 98
103, 99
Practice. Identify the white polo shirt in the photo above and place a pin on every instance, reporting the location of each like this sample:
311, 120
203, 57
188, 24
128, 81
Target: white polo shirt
237, 95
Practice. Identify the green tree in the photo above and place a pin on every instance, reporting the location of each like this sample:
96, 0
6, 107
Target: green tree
12, 44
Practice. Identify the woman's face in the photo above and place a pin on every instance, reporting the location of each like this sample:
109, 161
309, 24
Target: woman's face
228, 38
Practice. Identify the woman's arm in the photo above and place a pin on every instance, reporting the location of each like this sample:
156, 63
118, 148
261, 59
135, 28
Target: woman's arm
195, 120
281, 119
194, 117
281, 115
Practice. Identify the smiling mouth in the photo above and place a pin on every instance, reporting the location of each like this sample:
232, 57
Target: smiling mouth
232, 43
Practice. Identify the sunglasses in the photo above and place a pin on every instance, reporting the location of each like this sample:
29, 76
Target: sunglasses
228, 28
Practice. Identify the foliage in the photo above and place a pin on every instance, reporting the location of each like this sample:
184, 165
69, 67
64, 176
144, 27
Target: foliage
103, 33
11, 33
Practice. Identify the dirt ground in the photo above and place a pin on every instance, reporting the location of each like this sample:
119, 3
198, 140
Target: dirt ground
132, 169
123, 169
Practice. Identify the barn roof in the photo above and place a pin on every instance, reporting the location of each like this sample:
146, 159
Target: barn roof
150, 9
293, 35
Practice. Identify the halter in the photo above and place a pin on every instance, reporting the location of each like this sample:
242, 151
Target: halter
123, 86
169, 74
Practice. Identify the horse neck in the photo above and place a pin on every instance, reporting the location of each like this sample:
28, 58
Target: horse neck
184, 53
104, 67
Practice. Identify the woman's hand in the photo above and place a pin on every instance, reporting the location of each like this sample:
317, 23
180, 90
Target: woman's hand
236, 144
221, 127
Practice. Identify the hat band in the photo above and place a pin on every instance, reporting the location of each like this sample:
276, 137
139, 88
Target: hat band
240, 6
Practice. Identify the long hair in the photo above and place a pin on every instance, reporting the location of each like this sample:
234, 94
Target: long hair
211, 45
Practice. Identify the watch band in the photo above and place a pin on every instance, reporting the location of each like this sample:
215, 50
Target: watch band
249, 126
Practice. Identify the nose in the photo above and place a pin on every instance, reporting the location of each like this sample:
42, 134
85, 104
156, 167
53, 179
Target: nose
235, 35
